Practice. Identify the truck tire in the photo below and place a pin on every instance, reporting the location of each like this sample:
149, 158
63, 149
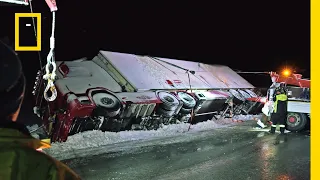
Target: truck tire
169, 101
238, 98
188, 101
109, 103
296, 121
165, 113
185, 111
244, 93
252, 94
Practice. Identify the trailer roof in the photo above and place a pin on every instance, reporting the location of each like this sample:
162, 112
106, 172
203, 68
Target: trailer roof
145, 72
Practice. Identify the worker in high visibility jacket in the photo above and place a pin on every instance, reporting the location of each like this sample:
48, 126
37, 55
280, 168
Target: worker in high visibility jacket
19, 158
279, 113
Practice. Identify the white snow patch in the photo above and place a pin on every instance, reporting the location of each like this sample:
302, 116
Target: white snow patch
247, 117
94, 139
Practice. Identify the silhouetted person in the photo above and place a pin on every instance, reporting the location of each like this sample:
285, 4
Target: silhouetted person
19, 158
279, 113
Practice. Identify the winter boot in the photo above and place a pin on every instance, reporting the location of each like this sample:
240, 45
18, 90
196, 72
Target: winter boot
282, 129
272, 130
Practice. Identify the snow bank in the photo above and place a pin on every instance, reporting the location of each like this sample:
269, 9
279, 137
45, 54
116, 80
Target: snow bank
93, 139
247, 117
90, 139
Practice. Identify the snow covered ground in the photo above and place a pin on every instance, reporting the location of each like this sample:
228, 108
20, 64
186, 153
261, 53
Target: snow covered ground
97, 142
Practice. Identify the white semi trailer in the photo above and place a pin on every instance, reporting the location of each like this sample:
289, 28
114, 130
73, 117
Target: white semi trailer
118, 91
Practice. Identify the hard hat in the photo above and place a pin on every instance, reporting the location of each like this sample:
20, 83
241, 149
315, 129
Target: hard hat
12, 82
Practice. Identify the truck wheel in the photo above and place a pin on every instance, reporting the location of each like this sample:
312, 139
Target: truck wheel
165, 113
188, 101
109, 103
237, 97
252, 94
244, 93
169, 101
296, 121
185, 111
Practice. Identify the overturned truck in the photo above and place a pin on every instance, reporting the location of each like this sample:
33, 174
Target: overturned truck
118, 91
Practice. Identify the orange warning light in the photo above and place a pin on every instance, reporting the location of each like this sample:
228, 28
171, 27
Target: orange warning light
286, 72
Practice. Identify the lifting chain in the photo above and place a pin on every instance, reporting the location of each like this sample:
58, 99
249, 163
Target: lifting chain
50, 76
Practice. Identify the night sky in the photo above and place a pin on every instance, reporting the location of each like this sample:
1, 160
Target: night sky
243, 35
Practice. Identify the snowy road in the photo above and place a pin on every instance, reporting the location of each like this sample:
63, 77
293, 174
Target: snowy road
225, 153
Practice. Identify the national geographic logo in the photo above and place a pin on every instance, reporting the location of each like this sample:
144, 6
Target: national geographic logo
24, 32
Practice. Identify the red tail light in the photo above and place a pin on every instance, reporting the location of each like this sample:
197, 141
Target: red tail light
64, 69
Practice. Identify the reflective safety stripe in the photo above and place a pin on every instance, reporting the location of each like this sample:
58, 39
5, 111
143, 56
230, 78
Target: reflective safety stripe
280, 97
281, 125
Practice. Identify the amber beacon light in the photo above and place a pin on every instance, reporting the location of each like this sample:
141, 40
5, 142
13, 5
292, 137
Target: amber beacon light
286, 72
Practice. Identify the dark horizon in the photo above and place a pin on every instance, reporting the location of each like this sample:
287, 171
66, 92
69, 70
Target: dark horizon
244, 36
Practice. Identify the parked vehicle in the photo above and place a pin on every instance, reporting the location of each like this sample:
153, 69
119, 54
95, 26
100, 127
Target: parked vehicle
298, 106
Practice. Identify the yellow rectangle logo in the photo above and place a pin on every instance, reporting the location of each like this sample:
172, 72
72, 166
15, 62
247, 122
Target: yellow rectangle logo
28, 48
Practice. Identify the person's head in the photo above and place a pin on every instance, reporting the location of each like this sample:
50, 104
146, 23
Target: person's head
282, 88
12, 84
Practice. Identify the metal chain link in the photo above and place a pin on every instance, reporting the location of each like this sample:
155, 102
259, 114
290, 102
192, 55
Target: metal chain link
50, 76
